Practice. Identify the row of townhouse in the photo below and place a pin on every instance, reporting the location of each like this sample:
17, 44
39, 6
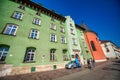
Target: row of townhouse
34, 38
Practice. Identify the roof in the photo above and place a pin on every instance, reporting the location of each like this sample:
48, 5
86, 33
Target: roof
42, 9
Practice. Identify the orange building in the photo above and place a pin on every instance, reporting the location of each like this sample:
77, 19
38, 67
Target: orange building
94, 46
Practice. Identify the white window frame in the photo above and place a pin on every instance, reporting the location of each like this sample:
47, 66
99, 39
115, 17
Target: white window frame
9, 28
62, 29
37, 21
52, 55
18, 15
63, 39
74, 41
72, 30
53, 38
53, 26
35, 34
30, 54
3, 52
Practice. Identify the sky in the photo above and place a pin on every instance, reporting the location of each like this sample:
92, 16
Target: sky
101, 16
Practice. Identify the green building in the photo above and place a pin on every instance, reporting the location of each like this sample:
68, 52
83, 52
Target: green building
33, 38
31, 35
85, 50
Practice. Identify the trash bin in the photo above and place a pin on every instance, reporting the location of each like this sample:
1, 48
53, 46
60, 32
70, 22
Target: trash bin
54, 67
33, 69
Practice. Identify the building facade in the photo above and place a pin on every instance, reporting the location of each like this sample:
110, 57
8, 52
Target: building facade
33, 38
73, 42
110, 49
84, 47
94, 45
31, 35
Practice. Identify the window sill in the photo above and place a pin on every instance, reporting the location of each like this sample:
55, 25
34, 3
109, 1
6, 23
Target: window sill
8, 34
2, 62
32, 38
29, 61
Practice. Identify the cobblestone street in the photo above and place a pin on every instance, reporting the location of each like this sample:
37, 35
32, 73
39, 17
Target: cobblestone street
63, 73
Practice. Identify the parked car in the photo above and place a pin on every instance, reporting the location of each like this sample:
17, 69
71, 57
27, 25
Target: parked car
72, 64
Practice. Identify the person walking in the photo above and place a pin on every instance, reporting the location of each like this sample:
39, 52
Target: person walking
88, 64
93, 63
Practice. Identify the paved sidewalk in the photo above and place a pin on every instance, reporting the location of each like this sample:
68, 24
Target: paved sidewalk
50, 75
94, 74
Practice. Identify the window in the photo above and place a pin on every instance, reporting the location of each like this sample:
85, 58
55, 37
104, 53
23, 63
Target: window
52, 54
63, 39
62, 29
74, 42
92, 45
3, 53
53, 38
65, 58
52, 19
72, 31
37, 21
10, 29
53, 26
22, 7
34, 34
71, 25
17, 15
30, 55
38, 13
107, 50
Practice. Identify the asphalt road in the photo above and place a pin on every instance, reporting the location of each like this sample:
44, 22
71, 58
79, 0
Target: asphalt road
107, 71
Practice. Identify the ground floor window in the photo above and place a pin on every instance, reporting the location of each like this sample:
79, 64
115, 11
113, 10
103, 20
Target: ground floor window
30, 55
3, 52
52, 55
65, 58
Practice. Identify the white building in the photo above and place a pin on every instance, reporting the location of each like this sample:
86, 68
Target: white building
110, 49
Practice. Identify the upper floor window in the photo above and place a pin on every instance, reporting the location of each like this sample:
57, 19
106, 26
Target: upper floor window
93, 45
53, 26
21, 7
53, 38
63, 39
62, 29
52, 19
72, 31
3, 52
71, 25
18, 15
10, 29
38, 13
74, 42
37, 21
30, 55
34, 34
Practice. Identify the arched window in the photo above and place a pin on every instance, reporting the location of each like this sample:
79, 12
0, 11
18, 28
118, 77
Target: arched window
3, 52
93, 45
30, 54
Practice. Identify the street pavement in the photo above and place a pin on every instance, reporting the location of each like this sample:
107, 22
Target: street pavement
109, 70
106, 71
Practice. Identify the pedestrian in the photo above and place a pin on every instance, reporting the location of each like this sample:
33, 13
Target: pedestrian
88, 64
93, 63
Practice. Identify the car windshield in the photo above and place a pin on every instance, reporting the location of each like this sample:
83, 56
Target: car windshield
71, 62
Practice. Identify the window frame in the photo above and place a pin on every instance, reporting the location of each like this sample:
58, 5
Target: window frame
52, 27
53, 35
31, 54
3, 52
30, 34
63, 39
6, 28
13, 16
34, 22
